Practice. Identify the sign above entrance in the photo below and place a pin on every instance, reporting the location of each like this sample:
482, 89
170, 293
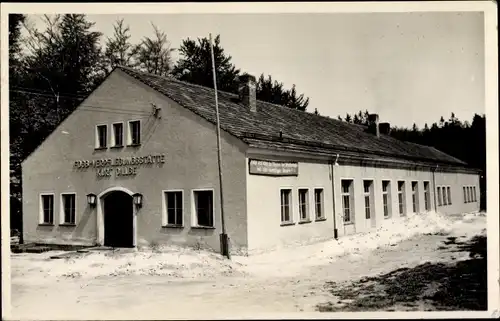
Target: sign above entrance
273, 168
121, 166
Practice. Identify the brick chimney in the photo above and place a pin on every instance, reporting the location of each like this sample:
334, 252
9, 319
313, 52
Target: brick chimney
385, 128
248, 92
373, 124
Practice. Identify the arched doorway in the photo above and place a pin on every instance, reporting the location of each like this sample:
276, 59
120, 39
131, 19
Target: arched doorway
118, 219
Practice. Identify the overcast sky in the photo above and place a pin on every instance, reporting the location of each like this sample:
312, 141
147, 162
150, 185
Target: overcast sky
407, 67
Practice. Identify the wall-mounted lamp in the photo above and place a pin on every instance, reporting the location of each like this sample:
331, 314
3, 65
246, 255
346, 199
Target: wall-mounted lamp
91, 199
137, 199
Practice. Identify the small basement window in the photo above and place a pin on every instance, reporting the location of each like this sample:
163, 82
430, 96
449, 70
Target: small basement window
286, 201
204, 208
68, 203
134, 132
47, 209
101, 136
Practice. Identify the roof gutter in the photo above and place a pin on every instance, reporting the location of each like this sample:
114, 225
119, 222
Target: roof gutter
434, 184
332, 166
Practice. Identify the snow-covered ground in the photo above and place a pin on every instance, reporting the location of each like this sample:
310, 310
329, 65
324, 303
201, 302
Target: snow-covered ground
114, 284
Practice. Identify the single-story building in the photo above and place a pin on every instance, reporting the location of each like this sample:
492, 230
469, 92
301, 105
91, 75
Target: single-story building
136, 164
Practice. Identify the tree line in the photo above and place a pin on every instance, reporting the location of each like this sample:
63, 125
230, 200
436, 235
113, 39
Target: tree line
52, 70
461, 139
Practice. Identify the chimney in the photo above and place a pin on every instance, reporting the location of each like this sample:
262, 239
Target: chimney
248, 92
385, 128
373, 124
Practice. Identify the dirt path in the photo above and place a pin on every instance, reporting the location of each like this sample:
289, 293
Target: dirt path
158, 297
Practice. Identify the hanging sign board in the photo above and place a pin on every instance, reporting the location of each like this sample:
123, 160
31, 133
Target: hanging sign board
273, 168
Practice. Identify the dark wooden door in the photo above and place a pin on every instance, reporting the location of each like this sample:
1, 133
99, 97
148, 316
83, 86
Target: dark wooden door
118, 220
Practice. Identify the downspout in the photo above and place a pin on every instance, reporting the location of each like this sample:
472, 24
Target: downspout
335, 230
434, 187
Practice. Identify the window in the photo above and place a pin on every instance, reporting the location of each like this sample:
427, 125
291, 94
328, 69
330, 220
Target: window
102, 136
367, 186
68, 203
303, 204
117, 135
448, 189
134, 132
386, 193
318, 203
427, 197
286, 201
474, 193
346, 201
401, 197
465, 195
440, 196
47, 209
173, 209
414, 196
445, 198
468, 194
204, 208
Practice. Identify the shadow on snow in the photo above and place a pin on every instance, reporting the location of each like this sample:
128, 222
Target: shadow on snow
430, 286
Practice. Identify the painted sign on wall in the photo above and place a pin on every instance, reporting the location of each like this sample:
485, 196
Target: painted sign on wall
273, 168
121, 166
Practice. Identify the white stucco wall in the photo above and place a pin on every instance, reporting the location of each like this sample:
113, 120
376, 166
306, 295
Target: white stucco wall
263, 200
188, 143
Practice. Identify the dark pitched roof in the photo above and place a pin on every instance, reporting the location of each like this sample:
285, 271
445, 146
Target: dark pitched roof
301, 131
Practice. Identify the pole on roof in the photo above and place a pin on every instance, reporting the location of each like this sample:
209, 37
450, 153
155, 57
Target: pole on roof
224, 240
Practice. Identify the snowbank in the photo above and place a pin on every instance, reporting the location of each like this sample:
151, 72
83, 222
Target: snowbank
168, 261
177, 262
290, 261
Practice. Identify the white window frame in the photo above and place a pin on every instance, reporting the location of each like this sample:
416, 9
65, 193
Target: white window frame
389, 201
40, 208
290, 205
308, 202
427, 195
351, 200
370, 195
414, 197
322, 203
97, 136
194, 217
113, 138
129, 132
445, 195
403, 198
164, 208
62, 215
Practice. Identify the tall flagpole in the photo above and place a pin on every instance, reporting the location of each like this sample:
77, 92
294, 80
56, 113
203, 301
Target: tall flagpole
223, 237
